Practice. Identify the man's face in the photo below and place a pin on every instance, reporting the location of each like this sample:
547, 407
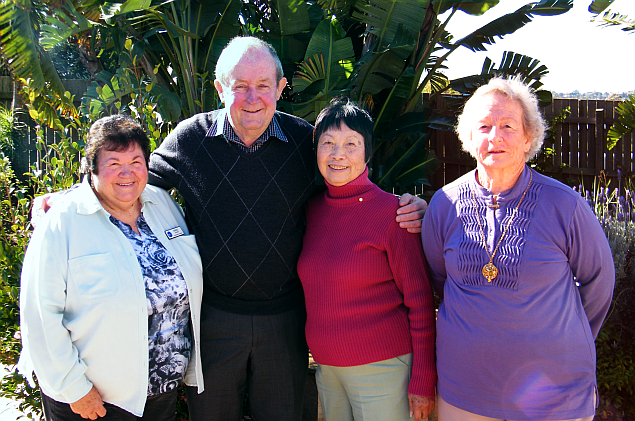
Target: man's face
251, 94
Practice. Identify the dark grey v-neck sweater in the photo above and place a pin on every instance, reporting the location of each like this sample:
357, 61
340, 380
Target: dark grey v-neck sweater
246, 210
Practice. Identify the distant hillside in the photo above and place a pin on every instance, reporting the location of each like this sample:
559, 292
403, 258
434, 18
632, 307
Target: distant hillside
613, 96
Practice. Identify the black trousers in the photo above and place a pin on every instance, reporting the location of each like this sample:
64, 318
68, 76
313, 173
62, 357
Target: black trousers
158, 408
266, 354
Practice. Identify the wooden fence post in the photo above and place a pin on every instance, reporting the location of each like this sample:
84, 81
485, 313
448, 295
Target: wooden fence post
599, 141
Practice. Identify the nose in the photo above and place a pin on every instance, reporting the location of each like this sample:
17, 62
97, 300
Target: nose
494, 134
252, 94
337, 152
126, 170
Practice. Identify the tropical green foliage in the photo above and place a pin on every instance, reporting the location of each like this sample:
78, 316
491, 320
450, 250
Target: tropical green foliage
14, 237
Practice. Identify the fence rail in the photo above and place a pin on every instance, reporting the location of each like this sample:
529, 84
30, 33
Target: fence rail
579, 144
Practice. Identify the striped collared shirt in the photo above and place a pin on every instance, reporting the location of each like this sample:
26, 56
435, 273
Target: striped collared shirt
221, 126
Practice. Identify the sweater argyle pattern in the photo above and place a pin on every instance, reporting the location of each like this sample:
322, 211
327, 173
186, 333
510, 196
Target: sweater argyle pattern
246, 209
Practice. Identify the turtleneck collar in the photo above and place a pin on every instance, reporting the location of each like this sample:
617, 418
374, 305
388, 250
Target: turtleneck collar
506, 196
353, 192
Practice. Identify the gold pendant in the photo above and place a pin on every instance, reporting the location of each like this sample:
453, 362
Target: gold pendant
490, 271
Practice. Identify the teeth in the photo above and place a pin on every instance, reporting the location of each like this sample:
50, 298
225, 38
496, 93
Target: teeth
128, 184
337, 167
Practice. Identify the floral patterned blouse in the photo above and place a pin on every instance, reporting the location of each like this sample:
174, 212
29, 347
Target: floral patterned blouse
169, 336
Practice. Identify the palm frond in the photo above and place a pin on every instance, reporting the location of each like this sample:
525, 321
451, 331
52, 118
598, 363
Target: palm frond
625, 124
511, 22
616, 19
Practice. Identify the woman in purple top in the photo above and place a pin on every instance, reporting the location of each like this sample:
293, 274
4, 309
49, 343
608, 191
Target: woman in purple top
524, 270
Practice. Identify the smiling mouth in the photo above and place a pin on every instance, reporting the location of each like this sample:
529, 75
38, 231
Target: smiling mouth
337, 167
125, 184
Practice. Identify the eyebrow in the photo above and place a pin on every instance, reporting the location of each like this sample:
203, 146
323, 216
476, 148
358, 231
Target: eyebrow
258, 81
114, 158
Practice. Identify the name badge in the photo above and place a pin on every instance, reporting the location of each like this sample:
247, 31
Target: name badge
174, 232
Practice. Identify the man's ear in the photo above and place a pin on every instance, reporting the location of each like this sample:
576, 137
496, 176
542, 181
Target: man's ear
219, 89
281, 86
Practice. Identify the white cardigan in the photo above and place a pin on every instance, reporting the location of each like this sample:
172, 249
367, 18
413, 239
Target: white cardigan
84, 318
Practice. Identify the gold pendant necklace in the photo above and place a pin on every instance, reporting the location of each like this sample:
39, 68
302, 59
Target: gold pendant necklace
490, 272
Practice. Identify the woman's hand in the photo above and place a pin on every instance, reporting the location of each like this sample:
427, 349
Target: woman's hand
91, 406
411, 212
420, 406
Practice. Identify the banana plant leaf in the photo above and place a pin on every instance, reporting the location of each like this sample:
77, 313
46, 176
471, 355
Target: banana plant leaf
511, 22
324, 73
330, 41
416, 123
21, 48
375, 73
384, 17
63, 25
293, 17
111, 9
407, 164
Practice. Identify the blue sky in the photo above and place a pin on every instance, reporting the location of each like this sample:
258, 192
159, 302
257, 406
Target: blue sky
579, 54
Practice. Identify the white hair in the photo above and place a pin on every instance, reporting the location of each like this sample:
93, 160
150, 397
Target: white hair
235, 49
514, 89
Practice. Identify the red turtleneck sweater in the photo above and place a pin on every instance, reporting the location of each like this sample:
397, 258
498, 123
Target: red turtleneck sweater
368, 297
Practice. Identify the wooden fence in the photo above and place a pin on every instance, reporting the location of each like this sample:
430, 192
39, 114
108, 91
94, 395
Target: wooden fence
579, 143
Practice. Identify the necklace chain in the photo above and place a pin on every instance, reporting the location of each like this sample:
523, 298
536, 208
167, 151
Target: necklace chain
489, 270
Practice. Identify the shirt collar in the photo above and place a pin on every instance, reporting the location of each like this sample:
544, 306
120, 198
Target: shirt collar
222, 127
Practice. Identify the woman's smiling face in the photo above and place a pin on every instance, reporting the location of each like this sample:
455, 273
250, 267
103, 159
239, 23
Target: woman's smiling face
121, 176
341, 155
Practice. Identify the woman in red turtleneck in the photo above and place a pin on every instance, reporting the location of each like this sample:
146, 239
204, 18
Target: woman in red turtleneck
370, 312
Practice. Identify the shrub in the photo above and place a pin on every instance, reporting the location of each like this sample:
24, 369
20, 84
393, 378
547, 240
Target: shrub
616, 341
14, 237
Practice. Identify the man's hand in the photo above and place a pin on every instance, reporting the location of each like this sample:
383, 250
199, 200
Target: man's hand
411, 212
41, 205
420, 406
90, 406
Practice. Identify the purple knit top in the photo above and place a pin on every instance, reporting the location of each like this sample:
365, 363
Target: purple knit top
520, 347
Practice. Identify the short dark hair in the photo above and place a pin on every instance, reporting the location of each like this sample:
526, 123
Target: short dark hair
343, 110
113, 133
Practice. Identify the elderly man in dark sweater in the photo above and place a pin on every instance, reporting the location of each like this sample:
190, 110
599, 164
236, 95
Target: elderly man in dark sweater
246, 172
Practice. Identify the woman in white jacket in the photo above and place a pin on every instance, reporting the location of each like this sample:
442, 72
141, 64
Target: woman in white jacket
111, 290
